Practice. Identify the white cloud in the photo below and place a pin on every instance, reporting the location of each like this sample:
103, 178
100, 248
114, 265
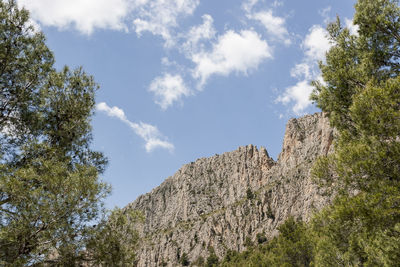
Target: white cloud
149, 133
154, 143
155, 16
159, 17
168, 89
230, 52
202, 32
353, 29
274, 25
84, 15
299, 94
233, 52
166, 62
315, 46
302, 70
325, 14
277, 3
112, 111
316, 43
248, 5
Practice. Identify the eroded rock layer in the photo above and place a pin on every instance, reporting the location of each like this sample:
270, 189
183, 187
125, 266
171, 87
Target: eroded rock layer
225, 201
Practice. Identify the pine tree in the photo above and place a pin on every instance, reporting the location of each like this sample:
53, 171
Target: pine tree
50, 190
362, 98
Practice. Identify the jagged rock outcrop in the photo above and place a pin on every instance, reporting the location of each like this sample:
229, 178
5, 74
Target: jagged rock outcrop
224, 201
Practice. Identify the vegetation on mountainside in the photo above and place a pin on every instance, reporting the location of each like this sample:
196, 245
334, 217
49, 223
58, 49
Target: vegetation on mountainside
50, 191
293, 247
51, 194
361, 96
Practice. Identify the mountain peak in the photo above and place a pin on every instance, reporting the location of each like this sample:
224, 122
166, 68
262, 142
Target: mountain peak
225, 200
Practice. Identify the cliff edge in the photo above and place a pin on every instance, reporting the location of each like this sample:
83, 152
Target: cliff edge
225, 201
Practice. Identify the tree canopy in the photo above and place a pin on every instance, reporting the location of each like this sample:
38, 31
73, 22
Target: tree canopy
356, 60
362, 98
50, 190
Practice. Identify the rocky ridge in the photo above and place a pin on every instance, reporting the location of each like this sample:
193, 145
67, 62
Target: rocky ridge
227, 201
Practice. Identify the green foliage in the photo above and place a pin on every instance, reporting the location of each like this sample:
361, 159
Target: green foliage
292, 247
261, 238
184, 261
50, 191
362, 98
368, 156
247, 242
270, 213
249, 194
25, 63
359, 230
41, 109
354, 61
212, 259
114, 240
47, 207
199, 261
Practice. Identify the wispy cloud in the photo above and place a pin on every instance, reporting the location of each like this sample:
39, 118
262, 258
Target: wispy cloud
158, 17
315, 45
325, 14
248, 5
302, 71
168, 89
198, 34
277, 3
274, 25
211, 54
149, 133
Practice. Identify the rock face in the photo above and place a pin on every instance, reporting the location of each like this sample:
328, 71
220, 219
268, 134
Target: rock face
224, 201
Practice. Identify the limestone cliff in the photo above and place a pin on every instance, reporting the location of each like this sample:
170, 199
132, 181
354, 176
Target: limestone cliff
226, 200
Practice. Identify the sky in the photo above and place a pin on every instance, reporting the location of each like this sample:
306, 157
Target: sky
185, 79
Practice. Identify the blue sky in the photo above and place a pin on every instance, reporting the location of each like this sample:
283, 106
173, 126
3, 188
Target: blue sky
184, 79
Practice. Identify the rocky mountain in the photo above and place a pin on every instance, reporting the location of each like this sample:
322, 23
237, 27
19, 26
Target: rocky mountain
228, 201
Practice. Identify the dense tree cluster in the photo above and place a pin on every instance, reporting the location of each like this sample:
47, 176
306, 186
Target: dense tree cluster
50, 191
293, 247
363, 91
